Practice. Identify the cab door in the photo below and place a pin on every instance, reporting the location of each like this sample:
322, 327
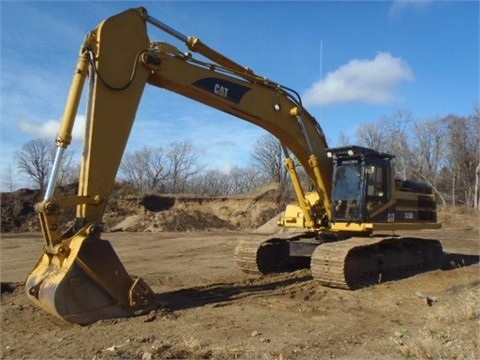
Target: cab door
377, 190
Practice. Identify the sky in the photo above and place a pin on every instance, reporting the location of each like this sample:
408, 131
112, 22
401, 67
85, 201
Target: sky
353, 62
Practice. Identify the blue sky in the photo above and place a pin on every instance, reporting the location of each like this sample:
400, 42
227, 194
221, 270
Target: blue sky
353, 62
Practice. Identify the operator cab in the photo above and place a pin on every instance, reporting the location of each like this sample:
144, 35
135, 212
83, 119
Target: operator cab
361, 182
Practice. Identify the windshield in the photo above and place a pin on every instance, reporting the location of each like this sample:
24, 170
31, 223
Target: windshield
347, 183
347, 192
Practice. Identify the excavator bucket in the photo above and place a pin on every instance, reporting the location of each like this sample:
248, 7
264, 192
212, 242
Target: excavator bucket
80, 278
85, 281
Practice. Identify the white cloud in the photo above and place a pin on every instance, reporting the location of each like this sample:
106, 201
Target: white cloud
399, 7
50, 128
362, 80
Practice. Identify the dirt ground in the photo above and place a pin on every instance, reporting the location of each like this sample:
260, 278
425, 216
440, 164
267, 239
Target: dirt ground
183, 246
211, 310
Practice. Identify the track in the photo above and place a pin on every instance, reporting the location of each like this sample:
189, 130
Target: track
260, 256
360, 262
347, 264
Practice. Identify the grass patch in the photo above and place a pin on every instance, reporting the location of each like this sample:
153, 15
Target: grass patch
450, 330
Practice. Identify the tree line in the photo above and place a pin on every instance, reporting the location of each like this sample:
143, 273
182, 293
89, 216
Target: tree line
174, 168
443, 152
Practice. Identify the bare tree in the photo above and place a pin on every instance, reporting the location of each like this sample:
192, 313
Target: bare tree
8, 178
476, 201
245, 179
211, 183
146, 168
268, 157
343, 139
476, 120
34, 161
398, 127
463, 156
389, 134
132, 172
373, 136
238, 180
183, 165
166, 169
427, 153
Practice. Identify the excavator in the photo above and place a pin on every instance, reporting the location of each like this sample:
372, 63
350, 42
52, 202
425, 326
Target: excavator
346, 221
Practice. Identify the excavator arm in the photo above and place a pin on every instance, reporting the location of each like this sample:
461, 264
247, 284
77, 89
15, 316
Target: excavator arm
79, 278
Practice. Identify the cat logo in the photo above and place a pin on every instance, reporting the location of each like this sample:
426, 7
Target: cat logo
220, 90
228, 90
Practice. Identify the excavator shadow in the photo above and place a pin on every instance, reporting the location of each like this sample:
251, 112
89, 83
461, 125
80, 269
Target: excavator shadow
454, 260
221, 294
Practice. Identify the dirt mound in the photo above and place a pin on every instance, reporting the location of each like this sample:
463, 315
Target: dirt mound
17, 211
127, 211
172, 220
189, 213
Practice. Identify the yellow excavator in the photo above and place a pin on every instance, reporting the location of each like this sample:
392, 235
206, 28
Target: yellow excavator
353, 195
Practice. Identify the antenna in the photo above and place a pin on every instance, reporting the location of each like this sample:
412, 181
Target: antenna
321, 60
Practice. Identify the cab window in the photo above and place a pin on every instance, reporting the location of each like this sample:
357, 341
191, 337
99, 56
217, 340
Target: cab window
376, 189
376, 184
